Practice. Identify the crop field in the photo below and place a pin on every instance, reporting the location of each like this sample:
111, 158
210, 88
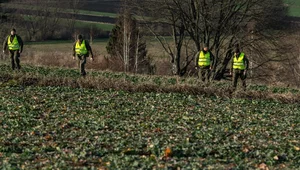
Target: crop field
47, 123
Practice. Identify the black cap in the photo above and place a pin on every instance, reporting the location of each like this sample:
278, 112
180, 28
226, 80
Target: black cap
79, 37
14, 30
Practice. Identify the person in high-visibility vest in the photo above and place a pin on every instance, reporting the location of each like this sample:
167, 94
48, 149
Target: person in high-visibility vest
15, 47
81, 50
240, 65
204, 63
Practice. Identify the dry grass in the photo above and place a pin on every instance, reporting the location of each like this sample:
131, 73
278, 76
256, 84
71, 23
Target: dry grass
60, 55
103, 83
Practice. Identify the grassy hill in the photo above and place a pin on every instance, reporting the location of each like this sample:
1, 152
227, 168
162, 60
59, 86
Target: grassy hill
105, 12
52, 118
293, 7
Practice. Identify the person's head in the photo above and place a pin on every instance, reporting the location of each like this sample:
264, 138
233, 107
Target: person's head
79, 37
13, 31
237, 50
205, 48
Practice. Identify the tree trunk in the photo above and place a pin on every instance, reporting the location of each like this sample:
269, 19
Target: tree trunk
137, 52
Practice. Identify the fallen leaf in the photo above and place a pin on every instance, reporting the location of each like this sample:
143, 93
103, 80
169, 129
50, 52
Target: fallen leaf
282, 166
245, 149
168, 152
157, 130
263, 166
102, 168
48, 137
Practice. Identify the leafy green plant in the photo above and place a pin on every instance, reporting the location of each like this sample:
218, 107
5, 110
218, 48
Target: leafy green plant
62, 127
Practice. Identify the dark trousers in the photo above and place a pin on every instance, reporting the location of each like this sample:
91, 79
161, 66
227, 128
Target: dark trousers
81, 64
204, 73
15, 59
239, 74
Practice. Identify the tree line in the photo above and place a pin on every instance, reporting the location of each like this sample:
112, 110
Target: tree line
41, 20
181, 27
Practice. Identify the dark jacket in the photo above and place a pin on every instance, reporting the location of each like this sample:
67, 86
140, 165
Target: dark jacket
5, 43
88, 47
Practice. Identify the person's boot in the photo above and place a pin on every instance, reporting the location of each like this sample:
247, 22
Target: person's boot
13, 66
83, 74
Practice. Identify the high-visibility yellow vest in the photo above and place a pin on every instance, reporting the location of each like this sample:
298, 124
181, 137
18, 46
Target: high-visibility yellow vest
204, 59
238, 63
81, 48
13, 45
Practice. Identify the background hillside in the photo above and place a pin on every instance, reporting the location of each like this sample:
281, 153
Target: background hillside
102, 13
293, 7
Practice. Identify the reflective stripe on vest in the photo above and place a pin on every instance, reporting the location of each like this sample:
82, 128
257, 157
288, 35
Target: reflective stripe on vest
238, 63
81, 48
204, 59
14, 45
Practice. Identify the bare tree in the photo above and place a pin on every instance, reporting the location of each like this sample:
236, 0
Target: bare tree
221, 24
170, 26
74, 6
126, 42
40, 18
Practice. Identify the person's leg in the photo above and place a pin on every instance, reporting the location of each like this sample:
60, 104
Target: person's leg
235, 78
12, 58
82, 65
243, 78
208, 75
203, 74
199, 73
17, 59
79, 62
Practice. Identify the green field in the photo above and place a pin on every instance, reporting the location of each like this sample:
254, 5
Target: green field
98, 25
78, 23
51, 118
84, 12
96, 13
294, 11
293, 7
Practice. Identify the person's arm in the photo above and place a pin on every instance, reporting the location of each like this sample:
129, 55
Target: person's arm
197, 59
73, 49
20, 43
5, 43
246, 63
89, 48
231, 65
212, 60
